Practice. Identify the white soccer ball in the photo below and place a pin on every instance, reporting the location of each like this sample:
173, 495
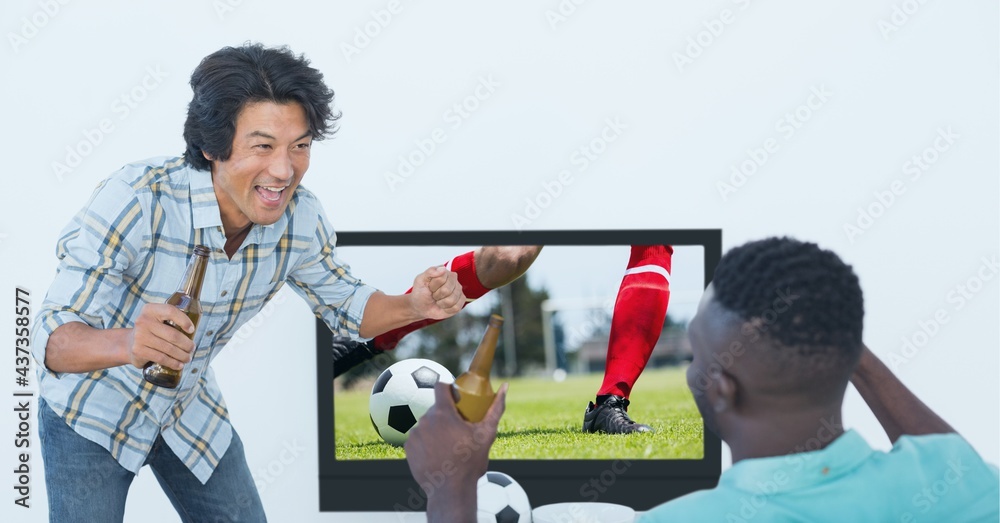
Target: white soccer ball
402, 394
500, 499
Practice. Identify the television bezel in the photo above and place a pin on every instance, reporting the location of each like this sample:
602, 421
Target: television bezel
386, 485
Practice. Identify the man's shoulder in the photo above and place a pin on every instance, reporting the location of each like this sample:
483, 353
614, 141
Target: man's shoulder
143, 175
939, 476
944, 452
932, 446
131, 185
304, 196
305, 202
894, 482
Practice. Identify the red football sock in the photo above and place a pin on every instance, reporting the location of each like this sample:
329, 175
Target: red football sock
640, 310
465, 266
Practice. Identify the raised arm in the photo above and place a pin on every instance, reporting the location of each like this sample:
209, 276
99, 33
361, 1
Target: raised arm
898, 410
436, 295
356, 310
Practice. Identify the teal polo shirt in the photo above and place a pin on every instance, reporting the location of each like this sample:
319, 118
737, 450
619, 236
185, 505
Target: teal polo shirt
936, 477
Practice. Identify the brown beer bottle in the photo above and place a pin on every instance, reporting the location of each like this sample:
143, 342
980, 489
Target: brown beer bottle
187, 299
472, 390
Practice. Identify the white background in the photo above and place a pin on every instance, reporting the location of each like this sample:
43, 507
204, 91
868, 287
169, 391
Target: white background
558, 83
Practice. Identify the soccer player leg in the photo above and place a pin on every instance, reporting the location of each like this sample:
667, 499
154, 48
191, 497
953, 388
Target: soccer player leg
640, 310
498, 265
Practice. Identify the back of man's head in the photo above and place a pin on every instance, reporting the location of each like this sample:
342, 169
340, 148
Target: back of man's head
230, 78
799, 311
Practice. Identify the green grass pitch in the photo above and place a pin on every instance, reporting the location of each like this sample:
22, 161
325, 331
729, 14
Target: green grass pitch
543, 420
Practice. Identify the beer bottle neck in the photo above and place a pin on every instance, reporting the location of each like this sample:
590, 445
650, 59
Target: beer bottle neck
482, 361
194, 276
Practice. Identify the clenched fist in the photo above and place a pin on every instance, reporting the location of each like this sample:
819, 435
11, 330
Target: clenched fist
437, 294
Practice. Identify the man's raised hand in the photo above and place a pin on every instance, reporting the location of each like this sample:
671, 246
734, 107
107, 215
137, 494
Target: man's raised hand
448, 454
437, 294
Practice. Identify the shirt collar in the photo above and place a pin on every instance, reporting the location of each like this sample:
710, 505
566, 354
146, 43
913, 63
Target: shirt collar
204, 205
799, 470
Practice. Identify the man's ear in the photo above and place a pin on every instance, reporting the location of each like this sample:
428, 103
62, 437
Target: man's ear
724, 391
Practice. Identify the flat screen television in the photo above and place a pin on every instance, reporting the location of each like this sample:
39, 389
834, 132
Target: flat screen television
568, 295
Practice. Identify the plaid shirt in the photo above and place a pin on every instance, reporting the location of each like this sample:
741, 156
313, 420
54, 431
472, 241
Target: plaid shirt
129, 246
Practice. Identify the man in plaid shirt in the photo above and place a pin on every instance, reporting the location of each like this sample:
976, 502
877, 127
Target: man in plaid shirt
250, 125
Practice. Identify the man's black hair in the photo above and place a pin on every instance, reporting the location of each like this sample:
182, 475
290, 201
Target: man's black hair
825, 307
228, 79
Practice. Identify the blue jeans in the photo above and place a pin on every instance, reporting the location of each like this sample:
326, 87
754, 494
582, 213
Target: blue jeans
86, 484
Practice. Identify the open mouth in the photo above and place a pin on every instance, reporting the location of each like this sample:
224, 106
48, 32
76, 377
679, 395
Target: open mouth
270, 194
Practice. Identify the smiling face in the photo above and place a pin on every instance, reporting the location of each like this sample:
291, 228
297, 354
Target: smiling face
269, 157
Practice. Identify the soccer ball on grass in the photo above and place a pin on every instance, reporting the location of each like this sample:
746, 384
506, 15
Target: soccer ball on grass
402, 394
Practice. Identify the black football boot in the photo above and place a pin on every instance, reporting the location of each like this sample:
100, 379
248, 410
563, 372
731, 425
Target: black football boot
611, 416
348, 354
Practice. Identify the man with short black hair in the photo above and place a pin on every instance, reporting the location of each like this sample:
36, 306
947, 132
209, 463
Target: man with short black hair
777, 337
249, 131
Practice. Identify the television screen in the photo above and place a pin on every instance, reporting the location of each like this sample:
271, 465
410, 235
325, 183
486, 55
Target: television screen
552, 348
